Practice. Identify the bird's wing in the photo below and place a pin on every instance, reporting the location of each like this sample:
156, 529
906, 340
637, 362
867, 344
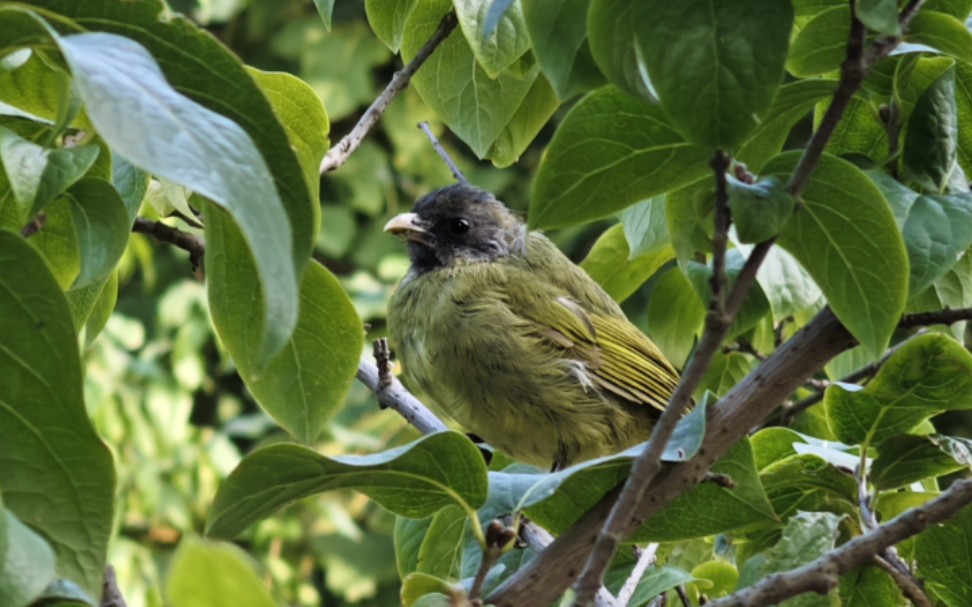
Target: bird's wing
618, 357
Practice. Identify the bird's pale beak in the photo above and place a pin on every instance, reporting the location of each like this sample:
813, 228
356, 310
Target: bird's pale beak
407, 226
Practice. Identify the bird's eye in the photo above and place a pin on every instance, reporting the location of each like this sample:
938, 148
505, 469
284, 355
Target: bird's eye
459, 225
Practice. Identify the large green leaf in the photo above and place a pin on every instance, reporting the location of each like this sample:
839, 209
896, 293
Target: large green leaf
610, 152
433, 545
860, 132
38, 175
821, 44
806, 482
807, 536
26, 563
846, 238
609, 263
558, 32
414, 480
880, 16
387, 18
57, 476
907, 458
930, 374
102, 227
937, 229
715, 65
931, 143
793, 102
497, 117
612, 39
499, 47
869, 587
58, 243
216, 158
943, 32
963, 102
675, 315
945, 561
302, 385
214, 574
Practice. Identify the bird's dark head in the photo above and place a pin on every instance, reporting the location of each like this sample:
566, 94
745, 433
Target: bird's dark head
458, 224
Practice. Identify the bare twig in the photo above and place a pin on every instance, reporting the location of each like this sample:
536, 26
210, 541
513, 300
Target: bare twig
174, 236
823, 574
645, 560
442, 153
396, 397
111, 596
340, 153
940, 317
906, 582
680, 590
648, 463
34, 225
868, 370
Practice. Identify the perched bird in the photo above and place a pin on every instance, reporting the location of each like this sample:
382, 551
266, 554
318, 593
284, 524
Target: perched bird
512, 340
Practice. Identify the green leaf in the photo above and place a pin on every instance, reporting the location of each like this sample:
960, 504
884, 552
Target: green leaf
754, 306
821, 45
941, 31
422, 589
58, 243
773, 444
558, 32
302, 385
325, 8
793, 102
132, 184
675, 315
928, 375
216, 159
861, 131
57, 476
388, 18
879, 15
937, 229
759, 210
715, 65
611, 265
689, 213
725, 371
959, 9
611, 32
410, 480
102, 226
944, 560
26, 564
300, 111
846, 238
504, 112
655, 581
645, 226
503, 45
807, 536
806, 482
214, 574
38, 175
36, 87
103, 308
931, 143
963, 102
716, 578
869, 586
906, 459
597, 164
790, 290
441, 551
199, 66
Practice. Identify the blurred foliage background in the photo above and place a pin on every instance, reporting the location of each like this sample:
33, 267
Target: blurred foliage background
180, 419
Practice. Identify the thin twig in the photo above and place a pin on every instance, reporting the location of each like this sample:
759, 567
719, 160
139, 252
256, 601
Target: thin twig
456, 172
648, 463
395, 397
111, 596
823, 574
646, 559
683, 596
868, 370
940, 317
906, 582
166, 233
340, 153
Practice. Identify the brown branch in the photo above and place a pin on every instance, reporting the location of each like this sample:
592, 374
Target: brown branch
456, 172
939, 317
823, 574
648, 463
174, 236
393, 395
111, 596
339, 154
906, 582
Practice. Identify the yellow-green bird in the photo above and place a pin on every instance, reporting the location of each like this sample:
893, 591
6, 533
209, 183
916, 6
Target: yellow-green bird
512, 340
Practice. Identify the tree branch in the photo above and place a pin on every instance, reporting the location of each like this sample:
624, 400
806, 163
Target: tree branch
442, 153
111, 596
648, 463
340, 153
823, 574
174, 236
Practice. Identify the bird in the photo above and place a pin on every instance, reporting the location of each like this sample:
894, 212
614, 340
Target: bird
515, 342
